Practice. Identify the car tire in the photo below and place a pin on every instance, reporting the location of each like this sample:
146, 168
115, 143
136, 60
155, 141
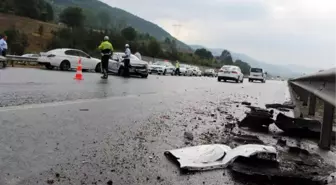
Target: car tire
219, 79
144, 76
121, 71
49, 66
98, 68
65, 65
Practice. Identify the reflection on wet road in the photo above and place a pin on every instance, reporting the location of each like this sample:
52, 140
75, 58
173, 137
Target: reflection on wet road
58, 131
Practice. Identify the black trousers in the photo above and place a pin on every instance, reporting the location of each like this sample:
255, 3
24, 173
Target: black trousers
126, 67
3, 53
105, 63
177, 71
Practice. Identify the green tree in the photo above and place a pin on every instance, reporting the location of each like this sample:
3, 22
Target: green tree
35, 9
245, 67
17, 41
226, 58
50, 12
154, 48
129, 33
72, 17
104, 19
204, 54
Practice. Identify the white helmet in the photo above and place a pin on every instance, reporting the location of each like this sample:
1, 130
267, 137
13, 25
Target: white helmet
126, 46
106, 38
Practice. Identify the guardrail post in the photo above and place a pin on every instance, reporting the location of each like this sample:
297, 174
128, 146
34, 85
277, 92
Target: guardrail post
304, 98
326, 131
312, 104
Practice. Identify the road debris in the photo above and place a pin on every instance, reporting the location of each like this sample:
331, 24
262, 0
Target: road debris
208, 157
246, 103
189, 135
278, 106
302, 127
257, 118
247, 139
282, 142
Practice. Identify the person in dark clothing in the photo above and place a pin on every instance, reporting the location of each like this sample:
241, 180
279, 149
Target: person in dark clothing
127, 61
106, 49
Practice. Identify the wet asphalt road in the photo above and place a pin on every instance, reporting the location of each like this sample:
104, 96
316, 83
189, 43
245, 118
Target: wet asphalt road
55, 130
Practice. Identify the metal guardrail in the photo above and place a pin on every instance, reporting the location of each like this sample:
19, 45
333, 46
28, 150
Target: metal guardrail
320, 85
11, 59
21, 58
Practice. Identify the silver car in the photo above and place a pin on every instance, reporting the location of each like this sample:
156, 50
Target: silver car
162, 67
137, 67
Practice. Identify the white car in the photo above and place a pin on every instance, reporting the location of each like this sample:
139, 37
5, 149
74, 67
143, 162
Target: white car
161, 67
185, 70
196, 71
66, 59
137, 67
257, 74
229, 72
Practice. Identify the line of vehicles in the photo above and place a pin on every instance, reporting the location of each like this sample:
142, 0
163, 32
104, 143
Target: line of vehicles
67, 59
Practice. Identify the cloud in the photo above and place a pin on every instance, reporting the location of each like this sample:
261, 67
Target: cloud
299, 32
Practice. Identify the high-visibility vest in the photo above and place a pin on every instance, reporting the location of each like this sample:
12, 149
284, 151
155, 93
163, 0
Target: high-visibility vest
177, 65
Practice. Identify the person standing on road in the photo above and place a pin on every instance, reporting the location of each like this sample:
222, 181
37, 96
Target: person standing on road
3, 49
177, 66
127, 57
106, 50
3, 46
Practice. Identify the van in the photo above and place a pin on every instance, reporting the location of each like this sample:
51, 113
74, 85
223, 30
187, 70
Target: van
257, 74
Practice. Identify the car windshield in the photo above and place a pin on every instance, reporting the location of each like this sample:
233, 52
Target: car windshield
160, 63
228, 67
256, 70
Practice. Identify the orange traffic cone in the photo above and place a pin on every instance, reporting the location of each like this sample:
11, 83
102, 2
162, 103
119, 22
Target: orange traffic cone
79, 74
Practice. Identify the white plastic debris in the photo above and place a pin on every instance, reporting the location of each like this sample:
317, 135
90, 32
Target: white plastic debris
206, 157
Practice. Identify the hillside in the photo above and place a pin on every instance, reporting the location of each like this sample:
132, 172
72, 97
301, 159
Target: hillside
119, 17
287, 71
30, 28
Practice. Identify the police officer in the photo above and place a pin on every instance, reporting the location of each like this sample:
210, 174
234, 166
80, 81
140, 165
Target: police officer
127, 60
177, 66
106, 50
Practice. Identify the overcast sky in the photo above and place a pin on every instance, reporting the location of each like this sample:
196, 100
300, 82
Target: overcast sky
301, 32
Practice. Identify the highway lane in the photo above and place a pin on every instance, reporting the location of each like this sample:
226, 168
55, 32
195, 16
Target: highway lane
54, 129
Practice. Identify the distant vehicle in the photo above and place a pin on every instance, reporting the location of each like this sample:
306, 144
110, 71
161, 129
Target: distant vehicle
185, 70
67, 59
196, 71
229, 72
257, 74
31, 55
161, 67
138, 67
209, 72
